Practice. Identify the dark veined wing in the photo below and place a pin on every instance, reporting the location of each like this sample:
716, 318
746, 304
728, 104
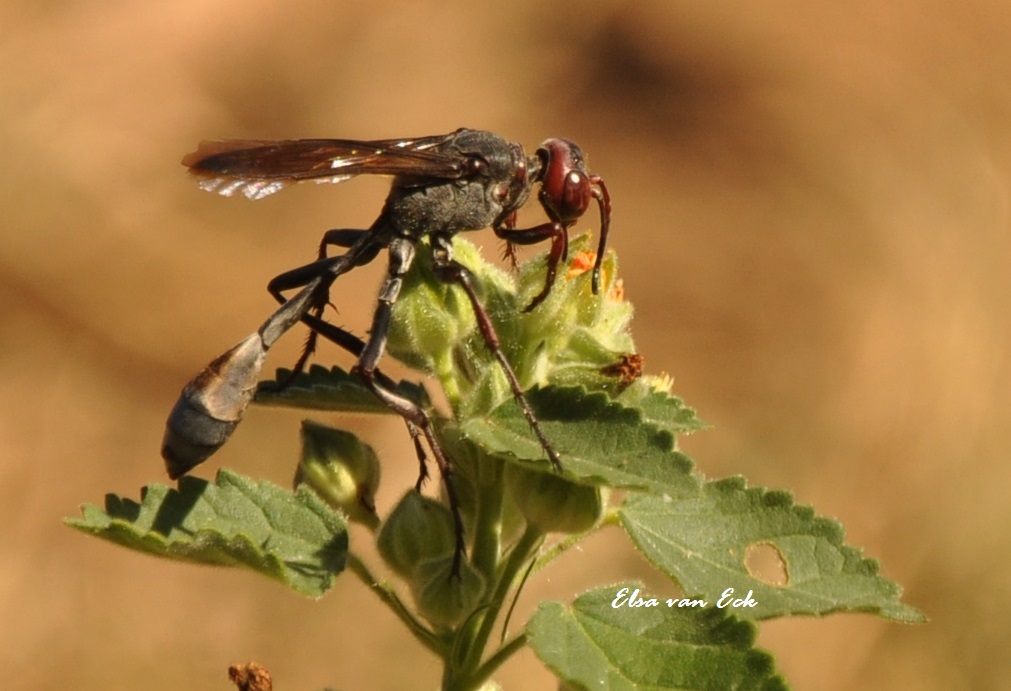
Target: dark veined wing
258, 168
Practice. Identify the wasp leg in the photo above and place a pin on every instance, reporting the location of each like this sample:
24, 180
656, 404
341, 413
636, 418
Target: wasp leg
557, 232
350, 238
449, 270
401, 251
354, 345
362, 250
341, 337
340, 237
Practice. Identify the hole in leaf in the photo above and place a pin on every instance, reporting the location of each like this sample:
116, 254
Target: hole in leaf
765, 562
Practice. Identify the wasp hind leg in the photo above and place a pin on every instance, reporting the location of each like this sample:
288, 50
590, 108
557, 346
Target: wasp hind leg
360, 251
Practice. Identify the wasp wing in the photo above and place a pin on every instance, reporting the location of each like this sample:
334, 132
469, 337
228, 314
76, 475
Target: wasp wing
258, 168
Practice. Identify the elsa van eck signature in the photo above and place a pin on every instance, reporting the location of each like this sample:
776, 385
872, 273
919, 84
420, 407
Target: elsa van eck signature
624, 598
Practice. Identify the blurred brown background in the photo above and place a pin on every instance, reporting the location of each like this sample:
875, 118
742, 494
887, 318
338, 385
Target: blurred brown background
812, 213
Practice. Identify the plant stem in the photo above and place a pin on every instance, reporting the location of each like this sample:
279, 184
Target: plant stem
520, 553
484, 672
488, 522
390, 598
560, 548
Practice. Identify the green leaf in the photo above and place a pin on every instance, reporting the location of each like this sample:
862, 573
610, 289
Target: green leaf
595, 645
331, 389
294, 538
702, 542
661, 408
599, 440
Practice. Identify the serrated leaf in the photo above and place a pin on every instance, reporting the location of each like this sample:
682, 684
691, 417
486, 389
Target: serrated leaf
661, 409
594, 645
334, 389
292, 537
600, 441
702, 541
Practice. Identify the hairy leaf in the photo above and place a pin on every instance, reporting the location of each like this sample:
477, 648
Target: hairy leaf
661, 408
292, 537
320, 388
702, 542
599, 440
595, 645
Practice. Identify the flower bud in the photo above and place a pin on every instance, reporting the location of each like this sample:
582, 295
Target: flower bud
341, 469
417, 529
552, 504
574, 334
445, 598
430, 317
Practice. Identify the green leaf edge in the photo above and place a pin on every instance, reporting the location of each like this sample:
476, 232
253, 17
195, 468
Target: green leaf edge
828, 528
554, 405
332, 389
730, 632
118, 523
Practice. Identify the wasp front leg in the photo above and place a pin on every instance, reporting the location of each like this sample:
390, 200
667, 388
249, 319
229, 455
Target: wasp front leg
555, 231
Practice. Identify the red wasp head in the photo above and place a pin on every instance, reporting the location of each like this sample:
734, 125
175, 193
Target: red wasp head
566, 190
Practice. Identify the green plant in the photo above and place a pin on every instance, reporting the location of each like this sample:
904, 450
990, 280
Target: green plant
616, 431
